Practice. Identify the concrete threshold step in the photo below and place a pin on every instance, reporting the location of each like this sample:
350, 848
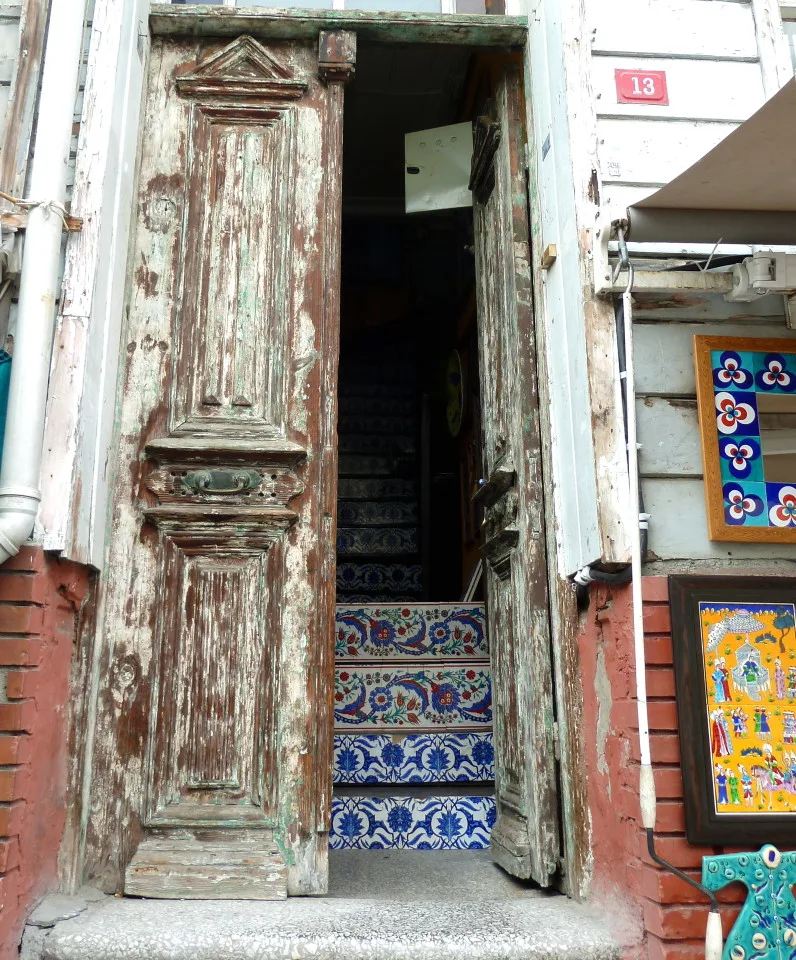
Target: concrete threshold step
536, 926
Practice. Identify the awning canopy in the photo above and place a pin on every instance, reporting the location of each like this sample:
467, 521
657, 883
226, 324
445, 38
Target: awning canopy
743, 191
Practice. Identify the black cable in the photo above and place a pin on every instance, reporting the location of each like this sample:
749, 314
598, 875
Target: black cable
714, 903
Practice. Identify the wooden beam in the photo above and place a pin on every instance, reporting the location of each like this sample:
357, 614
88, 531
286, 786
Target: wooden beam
675, 281
18, 126
267, 23
19, 221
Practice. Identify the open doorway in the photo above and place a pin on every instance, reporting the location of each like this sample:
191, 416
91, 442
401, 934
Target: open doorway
414, 753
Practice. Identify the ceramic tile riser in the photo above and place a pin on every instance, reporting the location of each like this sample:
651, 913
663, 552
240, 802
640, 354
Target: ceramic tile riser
413, 710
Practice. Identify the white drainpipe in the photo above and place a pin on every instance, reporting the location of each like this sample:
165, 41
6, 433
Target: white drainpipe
20, 492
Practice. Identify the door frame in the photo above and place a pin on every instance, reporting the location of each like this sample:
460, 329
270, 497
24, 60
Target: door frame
474, 31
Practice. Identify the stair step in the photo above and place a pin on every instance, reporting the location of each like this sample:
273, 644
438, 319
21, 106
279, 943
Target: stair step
389, 578
405, 596
416, 697
370, 423
377, 541
380, 406
389, 444
411, 630
464, 908
364, 465
376, 488
396, 389
431, 758
377, 513
412, 823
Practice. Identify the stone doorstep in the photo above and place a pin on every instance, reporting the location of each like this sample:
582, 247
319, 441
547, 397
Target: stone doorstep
536, 926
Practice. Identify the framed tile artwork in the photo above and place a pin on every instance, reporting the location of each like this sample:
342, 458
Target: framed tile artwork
734, 644
746, 394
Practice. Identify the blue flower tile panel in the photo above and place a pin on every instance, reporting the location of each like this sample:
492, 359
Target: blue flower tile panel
375, 488
391, 631
732, 370
376, 541
377, 513
370, 424
390, 578
416, 758
775, 372
745, 504
394, 698
375, 406
412, 823
741, 459
781, 504
736, 414
389, 444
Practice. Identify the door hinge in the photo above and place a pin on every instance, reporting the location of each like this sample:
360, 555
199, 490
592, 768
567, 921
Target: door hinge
556, 741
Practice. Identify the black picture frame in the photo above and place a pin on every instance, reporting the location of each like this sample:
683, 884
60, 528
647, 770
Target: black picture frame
703, 824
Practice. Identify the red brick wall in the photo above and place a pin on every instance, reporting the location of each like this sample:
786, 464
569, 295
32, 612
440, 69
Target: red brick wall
655, 913
39, 599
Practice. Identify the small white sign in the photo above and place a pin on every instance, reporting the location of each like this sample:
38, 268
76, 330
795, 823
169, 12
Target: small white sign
437, 168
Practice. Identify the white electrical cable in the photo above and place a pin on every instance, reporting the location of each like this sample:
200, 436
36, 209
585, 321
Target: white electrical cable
713, 932
646, 782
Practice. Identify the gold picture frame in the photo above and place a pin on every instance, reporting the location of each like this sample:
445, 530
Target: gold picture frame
746, 397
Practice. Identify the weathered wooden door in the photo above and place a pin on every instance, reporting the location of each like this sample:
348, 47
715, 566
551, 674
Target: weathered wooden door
525, 836
211, 763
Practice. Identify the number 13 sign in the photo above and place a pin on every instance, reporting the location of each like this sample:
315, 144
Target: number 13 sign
641, 86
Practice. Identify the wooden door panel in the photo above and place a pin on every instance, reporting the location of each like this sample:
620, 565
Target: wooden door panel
214, 646
525, 836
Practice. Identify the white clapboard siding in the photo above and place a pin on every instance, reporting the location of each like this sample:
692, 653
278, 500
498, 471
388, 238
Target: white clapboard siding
698, 89
694, 28
790, 36
670, 455
679, 530
664, 352
668, 431
654, 151
707, 308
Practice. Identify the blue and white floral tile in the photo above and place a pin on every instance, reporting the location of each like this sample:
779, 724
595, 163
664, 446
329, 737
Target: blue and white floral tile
393, 698
732, 370
376, 512
375, 488
741, 459
735, 370
775, 372
781, 503
416, 758
354, 464
386, 443
389, 578
412, 823
398, 631
373, 423
736, 413
370, 541
745, 504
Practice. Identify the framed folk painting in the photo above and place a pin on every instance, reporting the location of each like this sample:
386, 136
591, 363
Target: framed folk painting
746, 393
734, 642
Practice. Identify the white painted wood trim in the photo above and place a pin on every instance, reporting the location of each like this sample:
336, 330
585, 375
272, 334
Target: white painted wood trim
86, 349
772, 46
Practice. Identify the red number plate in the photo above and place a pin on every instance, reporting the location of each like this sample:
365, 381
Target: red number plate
641, 86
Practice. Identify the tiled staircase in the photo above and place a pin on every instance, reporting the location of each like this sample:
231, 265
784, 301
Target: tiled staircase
413, 757
378, 512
